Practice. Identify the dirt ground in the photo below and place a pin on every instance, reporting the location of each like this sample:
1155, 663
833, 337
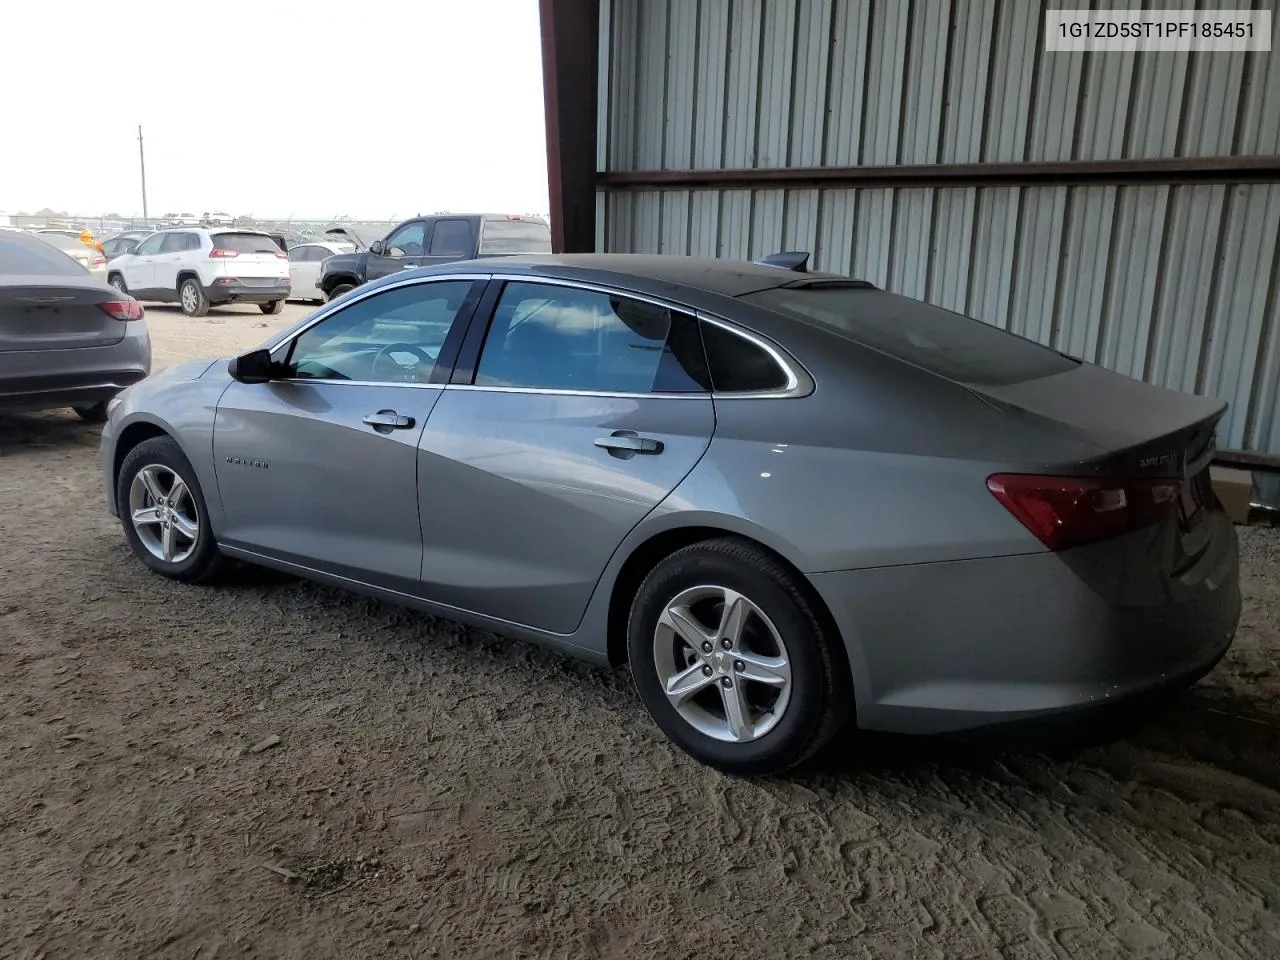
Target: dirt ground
274, 769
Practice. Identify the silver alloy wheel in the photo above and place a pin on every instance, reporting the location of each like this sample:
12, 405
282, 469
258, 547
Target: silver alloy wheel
731, 680
190, 296
164, 513
118, 282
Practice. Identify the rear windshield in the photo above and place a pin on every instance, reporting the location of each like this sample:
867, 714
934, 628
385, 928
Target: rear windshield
948, 344
514, 236
35, 258
246, 242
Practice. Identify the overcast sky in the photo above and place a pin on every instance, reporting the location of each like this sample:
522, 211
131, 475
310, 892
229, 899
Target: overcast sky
273, 108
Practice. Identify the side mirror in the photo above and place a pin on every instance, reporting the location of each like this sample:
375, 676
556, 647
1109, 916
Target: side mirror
376, 247
254, 367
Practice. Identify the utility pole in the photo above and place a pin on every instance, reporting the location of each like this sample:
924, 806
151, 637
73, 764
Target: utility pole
142, 163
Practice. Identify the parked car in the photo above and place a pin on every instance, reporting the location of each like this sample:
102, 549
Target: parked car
88, 257
199, 268
440, 238
782, 496
305, 260
66, 338
218, 219
124, 242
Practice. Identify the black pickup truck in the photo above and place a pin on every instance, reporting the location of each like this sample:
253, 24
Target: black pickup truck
439, 238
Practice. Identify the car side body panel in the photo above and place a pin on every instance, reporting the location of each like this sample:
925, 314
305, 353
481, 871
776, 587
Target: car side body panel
180, 401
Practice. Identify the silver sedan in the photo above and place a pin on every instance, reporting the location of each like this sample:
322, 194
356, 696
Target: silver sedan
66, 337
786, 498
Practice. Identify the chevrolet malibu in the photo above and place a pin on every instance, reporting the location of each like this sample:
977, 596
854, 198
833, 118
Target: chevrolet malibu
786, 498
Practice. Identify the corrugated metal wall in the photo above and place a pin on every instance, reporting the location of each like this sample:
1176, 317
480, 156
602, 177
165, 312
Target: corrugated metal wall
1179, 285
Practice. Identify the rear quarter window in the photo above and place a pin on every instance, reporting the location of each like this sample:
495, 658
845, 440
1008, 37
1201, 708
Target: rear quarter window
737, 365
514, 236
948, 344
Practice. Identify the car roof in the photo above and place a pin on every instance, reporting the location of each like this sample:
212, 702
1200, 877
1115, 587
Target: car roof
729, 278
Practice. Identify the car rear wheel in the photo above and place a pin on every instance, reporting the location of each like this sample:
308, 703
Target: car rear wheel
163, 512
94, 413
117, 281
340, 289
192, 299
732, 661
275, 306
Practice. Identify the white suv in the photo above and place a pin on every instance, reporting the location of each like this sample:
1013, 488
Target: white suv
199, 267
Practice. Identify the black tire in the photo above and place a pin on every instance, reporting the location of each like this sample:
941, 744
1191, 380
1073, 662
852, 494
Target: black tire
192, 298
204, 561
820, 693
117, 281
275, 306
94, 413
340, 289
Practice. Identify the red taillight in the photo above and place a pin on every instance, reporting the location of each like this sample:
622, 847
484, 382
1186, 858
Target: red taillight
1066, 512
98, 260
223, 252
282, 255
122, 309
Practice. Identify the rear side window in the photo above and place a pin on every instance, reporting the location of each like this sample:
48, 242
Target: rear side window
948, 344
450, 238
739, 366
245, 242
35, 258
178, 242
514, 236
552, 337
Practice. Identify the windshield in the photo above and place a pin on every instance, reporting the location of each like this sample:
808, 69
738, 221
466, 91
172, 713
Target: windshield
514, 236
948, 344
246, 242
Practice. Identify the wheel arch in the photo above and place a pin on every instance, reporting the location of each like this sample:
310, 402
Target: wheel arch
647, 554
331, 280
131, 435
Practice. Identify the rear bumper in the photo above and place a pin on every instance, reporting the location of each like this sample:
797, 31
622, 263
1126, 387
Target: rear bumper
45, 379
948, 647
243, 293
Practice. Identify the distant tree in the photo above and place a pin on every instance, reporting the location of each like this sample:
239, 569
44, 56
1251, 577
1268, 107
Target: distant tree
112, 216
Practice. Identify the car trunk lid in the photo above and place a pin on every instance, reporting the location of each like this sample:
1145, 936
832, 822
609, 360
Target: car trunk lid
55, 313
1143, 434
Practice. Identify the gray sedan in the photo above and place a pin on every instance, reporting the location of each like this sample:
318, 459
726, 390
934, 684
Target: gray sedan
66, 338
786, 498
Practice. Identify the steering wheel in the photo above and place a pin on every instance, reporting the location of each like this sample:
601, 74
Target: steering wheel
422, 355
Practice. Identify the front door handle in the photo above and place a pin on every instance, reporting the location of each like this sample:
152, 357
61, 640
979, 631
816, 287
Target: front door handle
386, 420
627, 443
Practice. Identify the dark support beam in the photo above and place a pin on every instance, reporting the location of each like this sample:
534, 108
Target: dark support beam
1264, 169
570, 45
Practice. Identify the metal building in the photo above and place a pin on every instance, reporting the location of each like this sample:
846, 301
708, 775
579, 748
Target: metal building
1122, 207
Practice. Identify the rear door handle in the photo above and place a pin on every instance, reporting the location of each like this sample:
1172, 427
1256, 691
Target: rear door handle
627, 443
385, 420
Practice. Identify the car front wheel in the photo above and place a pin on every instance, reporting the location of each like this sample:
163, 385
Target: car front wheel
163, 512
339, 290
733, 662
117, 281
